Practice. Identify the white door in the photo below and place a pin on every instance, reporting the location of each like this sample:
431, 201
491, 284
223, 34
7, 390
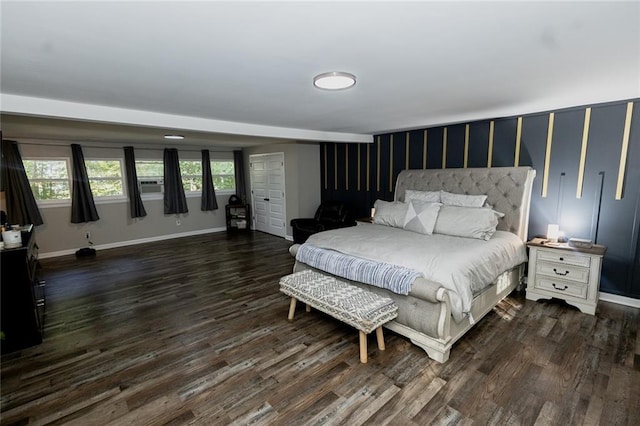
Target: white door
267, 193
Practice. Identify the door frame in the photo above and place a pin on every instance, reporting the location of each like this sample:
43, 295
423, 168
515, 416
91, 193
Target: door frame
284, 193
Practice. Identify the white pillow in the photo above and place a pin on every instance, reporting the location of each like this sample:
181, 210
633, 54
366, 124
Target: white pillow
470, 222
390, 213
462, 200
430, 196
421, 216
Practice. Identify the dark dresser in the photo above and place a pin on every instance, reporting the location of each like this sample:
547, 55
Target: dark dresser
23, 299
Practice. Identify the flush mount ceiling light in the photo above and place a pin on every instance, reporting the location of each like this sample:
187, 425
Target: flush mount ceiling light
334, 80
178, 137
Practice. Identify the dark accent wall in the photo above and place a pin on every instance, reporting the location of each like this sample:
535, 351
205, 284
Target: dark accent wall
588, 173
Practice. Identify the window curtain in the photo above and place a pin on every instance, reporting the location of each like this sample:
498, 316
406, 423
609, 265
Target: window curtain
22, 208
174, 199
209, 201
238, 163
83, 208
135, 200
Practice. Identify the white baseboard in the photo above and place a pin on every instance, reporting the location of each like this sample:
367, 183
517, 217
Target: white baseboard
620, 300
288, 237
134, 242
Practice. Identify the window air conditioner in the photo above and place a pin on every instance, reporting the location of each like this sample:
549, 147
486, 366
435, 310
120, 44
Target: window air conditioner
151, 186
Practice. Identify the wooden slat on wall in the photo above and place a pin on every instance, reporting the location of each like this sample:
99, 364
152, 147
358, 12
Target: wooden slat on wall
466, 146
326, 168
358, 181
583, 151
378, 147
516, 160
407, 149
424, 150
346, 167
547, 156
368, 181
444, 148
490, 150
624, 150
335, 166
391, 163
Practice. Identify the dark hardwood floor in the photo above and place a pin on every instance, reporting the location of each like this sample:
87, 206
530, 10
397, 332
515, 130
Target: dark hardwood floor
194, 331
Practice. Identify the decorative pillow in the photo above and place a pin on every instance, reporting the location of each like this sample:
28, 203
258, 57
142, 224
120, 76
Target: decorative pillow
430, 196
462, 200
421, 216
390, 213
470, 222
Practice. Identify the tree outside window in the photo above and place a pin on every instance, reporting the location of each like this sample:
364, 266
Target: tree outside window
49, 179
146, 169
191, 172
224, 178
105, 177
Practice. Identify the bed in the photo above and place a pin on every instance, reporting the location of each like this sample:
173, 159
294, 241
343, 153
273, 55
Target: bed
439, 297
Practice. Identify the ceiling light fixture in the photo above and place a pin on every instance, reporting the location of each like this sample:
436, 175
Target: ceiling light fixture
177, 137
334, 80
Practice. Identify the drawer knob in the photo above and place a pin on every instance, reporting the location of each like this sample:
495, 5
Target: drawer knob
560, 273
562, 259
558, 288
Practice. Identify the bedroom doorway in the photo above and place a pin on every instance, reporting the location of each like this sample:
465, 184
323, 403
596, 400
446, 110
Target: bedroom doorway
267, 193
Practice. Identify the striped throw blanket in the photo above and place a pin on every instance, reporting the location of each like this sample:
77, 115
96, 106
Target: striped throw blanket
391, 277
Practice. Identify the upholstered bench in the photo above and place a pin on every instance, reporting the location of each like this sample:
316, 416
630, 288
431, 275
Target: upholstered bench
353, 305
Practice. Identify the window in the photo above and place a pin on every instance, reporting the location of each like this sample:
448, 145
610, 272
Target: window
146, 169
224, 178
221, 171
191, 171
105, 177
49, 179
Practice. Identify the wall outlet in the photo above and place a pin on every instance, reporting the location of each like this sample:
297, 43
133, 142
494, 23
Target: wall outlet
178, 223
88, 235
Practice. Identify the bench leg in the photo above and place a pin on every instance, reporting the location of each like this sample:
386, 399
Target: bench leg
292, 308
380, 338
363, 347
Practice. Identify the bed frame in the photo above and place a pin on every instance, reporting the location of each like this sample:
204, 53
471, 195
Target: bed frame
424, 316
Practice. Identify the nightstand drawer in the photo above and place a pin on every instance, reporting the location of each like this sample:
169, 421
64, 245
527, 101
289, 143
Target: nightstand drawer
560, 257
564, 288
563, 272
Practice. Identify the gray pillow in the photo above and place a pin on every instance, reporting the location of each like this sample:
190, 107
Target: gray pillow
421, 216
462, 200
470, 222
390, 213
431, 196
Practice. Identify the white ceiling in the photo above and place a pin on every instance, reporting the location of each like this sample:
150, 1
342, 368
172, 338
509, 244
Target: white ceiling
236, 74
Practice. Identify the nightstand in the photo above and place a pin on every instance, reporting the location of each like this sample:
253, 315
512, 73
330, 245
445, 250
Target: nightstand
568, 273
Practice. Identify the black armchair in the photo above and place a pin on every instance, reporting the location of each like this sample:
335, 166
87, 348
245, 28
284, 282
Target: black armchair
330, 215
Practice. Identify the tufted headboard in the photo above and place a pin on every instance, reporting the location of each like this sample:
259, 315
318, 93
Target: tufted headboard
508, 190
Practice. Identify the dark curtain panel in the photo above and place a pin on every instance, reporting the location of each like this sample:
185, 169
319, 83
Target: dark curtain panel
174, 199
209, 201
238, 161
83, 208
22, 208
135, 201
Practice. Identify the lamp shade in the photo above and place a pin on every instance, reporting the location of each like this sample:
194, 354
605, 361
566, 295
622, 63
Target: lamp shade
553, 231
